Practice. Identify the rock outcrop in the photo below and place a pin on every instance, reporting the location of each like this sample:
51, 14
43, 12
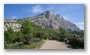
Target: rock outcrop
14, 26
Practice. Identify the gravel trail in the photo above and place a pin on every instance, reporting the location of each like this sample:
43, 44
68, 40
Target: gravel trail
53, 44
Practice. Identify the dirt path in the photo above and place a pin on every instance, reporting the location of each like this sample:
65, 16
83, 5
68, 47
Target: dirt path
52, 44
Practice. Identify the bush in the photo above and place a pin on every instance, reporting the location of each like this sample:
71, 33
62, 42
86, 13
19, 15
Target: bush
31, 36
76, 41
9, 35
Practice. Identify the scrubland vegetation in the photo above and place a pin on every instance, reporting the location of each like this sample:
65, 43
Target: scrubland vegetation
32, 36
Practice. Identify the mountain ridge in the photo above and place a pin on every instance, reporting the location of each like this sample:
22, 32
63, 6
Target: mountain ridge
49, 19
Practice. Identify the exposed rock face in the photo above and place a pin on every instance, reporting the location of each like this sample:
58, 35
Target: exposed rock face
50, 20
14, 26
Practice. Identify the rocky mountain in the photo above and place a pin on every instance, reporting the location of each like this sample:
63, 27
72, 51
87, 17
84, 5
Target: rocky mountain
50, 20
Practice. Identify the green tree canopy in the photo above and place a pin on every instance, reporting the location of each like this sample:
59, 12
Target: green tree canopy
9, 35
27, 30
26, 27
62, 31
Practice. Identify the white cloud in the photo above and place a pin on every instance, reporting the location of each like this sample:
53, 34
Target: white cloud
13, 17
80, 25
36, 9
26, 10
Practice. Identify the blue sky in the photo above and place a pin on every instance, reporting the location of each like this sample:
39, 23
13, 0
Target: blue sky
71, 12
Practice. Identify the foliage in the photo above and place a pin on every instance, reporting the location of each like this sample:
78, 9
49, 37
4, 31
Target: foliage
9, 35
31, 36
25, 36
26, 27
76, 40
18, 37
